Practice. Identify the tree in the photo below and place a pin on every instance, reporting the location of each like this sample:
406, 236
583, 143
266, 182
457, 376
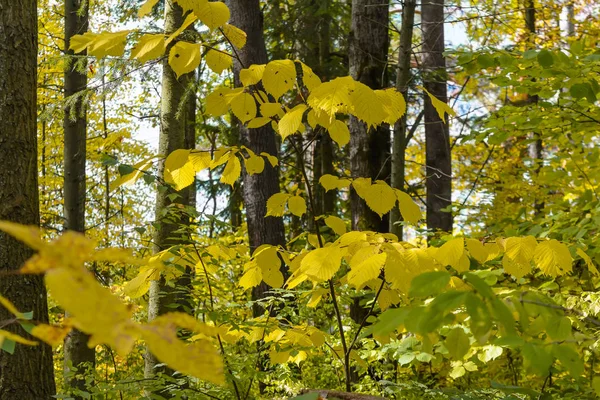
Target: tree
28, 373
438, 160
258, 188
78, 354
369, 148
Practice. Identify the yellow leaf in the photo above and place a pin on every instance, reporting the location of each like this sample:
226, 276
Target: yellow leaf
243, 107
146, 8
273, 278
213, 14
108, 44
79, 43
366, 105
463, 264
51, 334
139, 286
553, 257
218, 101
366, 270
278, 357
236, 36
332, 97
258, 122
199, 359
330, 182
254, 164
316, 297
199, 159
218, 61
252, 75
393, 104
15, 338
309, 78
290, 123
251, 278
315, 118
190, 19
339, 133
178, 171
276, 204
232, 171
380, 197
28, 234
519, 251
439, 105
279, 77
132, 177
588, 261
272, 159
321, 264
451, 252
336, 224
410, 211
184, 57
297, 205
149, 47
10, 307
514, 268
271, 109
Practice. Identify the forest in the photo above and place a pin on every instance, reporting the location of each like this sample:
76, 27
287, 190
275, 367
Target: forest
299, 199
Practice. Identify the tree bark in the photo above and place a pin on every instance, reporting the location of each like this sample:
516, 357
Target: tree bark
403, 77
29, 372
369, 151
77, 354
174, 134
247, 15
438, 159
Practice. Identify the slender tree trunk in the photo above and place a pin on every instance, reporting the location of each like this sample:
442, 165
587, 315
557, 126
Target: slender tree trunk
29, 372
369, 151
172, 136
77, 354
402, 80
247, 15
438, 159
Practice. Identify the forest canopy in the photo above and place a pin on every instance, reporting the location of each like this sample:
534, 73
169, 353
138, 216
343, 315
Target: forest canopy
299, 199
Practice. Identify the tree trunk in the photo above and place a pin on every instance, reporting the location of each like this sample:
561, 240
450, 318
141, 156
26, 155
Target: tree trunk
173, 135
29, 372
438, 158
77, 354
247, 15
402, 80
369, 151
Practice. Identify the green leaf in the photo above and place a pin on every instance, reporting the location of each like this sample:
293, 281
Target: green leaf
458, 344
429, 283
545, 58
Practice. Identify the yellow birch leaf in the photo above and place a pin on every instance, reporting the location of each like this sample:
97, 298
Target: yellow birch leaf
588, 261
149, 47
514, 268
553, 258
200, 160
51, 334
339, 133
79, 43
10, 307
15, 338
232, 171
330, 182
252, 75
332, 97
273, 278
108, 44
366, 270
146, 8
409, 210
272, 159
271, 109
218, 101
316, 297
258, 122
309, 78
393, 103
276, 204
218, 61
236, 36
321, 264
290, 123
279, 77
380, 197
213, 14
439, 105
297, 205
28, 234
520, 249
184, 57
366, 105
336, 224
477, 250
243, 107
451, 252
190, 19
178, 171
251, 278
139, 286
254, 164
278, 357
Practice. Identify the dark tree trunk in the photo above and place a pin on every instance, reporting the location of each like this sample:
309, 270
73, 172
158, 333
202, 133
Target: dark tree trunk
369, 150
403, 77
77, 354
438, 158
29, 372
247, 15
